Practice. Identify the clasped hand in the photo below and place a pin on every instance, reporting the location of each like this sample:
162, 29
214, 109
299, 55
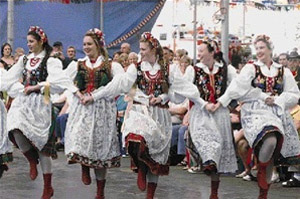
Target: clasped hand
210, 107
84, 99
269, 101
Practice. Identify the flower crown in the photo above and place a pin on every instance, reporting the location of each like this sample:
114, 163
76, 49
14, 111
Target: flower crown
99, 34
212, 43
264, 38
39, 31
147, 36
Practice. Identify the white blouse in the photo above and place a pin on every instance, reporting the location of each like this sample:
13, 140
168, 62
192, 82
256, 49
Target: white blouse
241, 88
179, 88
188, 75
231, 71
56, 77
71, 70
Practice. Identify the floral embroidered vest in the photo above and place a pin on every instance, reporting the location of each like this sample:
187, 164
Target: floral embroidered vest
33, 77
273, 85
211, 86
150, 84
89, 79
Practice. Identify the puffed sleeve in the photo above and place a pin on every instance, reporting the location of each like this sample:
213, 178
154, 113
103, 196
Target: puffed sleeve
71, 70
116, 68
241, 87
189, 74
57, 78
10, 79
121, 83
231, 71
290, 95
180, 89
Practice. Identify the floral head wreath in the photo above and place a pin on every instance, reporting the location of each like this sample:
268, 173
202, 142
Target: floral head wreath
212, 43
99, 34
266, 39
40, 32
147, 36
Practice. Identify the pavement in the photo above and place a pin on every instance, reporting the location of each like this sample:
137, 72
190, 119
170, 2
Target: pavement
121, 184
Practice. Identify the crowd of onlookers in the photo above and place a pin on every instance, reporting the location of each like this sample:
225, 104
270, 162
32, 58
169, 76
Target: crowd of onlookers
180, 152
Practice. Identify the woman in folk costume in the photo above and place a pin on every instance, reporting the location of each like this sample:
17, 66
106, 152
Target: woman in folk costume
267, 91
5, 144
147, 126
29, 118
211, 133
91, 133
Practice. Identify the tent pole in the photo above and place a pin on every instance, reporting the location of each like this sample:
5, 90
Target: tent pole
225, 29
10, 23
101, 16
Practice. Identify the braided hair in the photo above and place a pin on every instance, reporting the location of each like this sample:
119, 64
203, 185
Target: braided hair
36, 33
154, 44
218, 56
98, 38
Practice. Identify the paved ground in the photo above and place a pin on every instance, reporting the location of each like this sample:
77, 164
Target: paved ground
121, 184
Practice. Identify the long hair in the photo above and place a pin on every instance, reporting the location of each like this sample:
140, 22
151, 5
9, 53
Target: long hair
160, 60
101, 49
45, 47
218, 56
2, 48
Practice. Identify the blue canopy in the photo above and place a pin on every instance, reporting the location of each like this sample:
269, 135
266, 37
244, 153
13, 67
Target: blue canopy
124, 21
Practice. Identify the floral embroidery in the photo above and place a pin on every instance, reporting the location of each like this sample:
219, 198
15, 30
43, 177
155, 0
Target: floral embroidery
273, 85
211, 87
150, 84
33, 77
88, 79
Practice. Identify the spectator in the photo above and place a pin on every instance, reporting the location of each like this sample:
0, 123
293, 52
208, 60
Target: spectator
7, 59
283, 59
133, 58
125, 48
293, 65
18, 53
166, 54
179, 128
123, 60
178, 54
71, 53
116, 56
61, 120
58, 52
171, 56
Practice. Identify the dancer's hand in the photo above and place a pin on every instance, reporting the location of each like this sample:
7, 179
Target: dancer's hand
217, 105
270, 101
31, 89
155, 100
79, 95
209, 107
88, 99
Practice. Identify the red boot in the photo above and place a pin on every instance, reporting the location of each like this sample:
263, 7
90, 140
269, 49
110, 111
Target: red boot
48, 190
263, 193
32, 157
141, 180
214, 190
100, 189
85, 175
151, 190
3, 168
261, 175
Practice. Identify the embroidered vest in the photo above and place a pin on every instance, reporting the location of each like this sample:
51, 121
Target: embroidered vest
89, 79
33, 77
151, 84
213, 86
6, 65
273, 85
